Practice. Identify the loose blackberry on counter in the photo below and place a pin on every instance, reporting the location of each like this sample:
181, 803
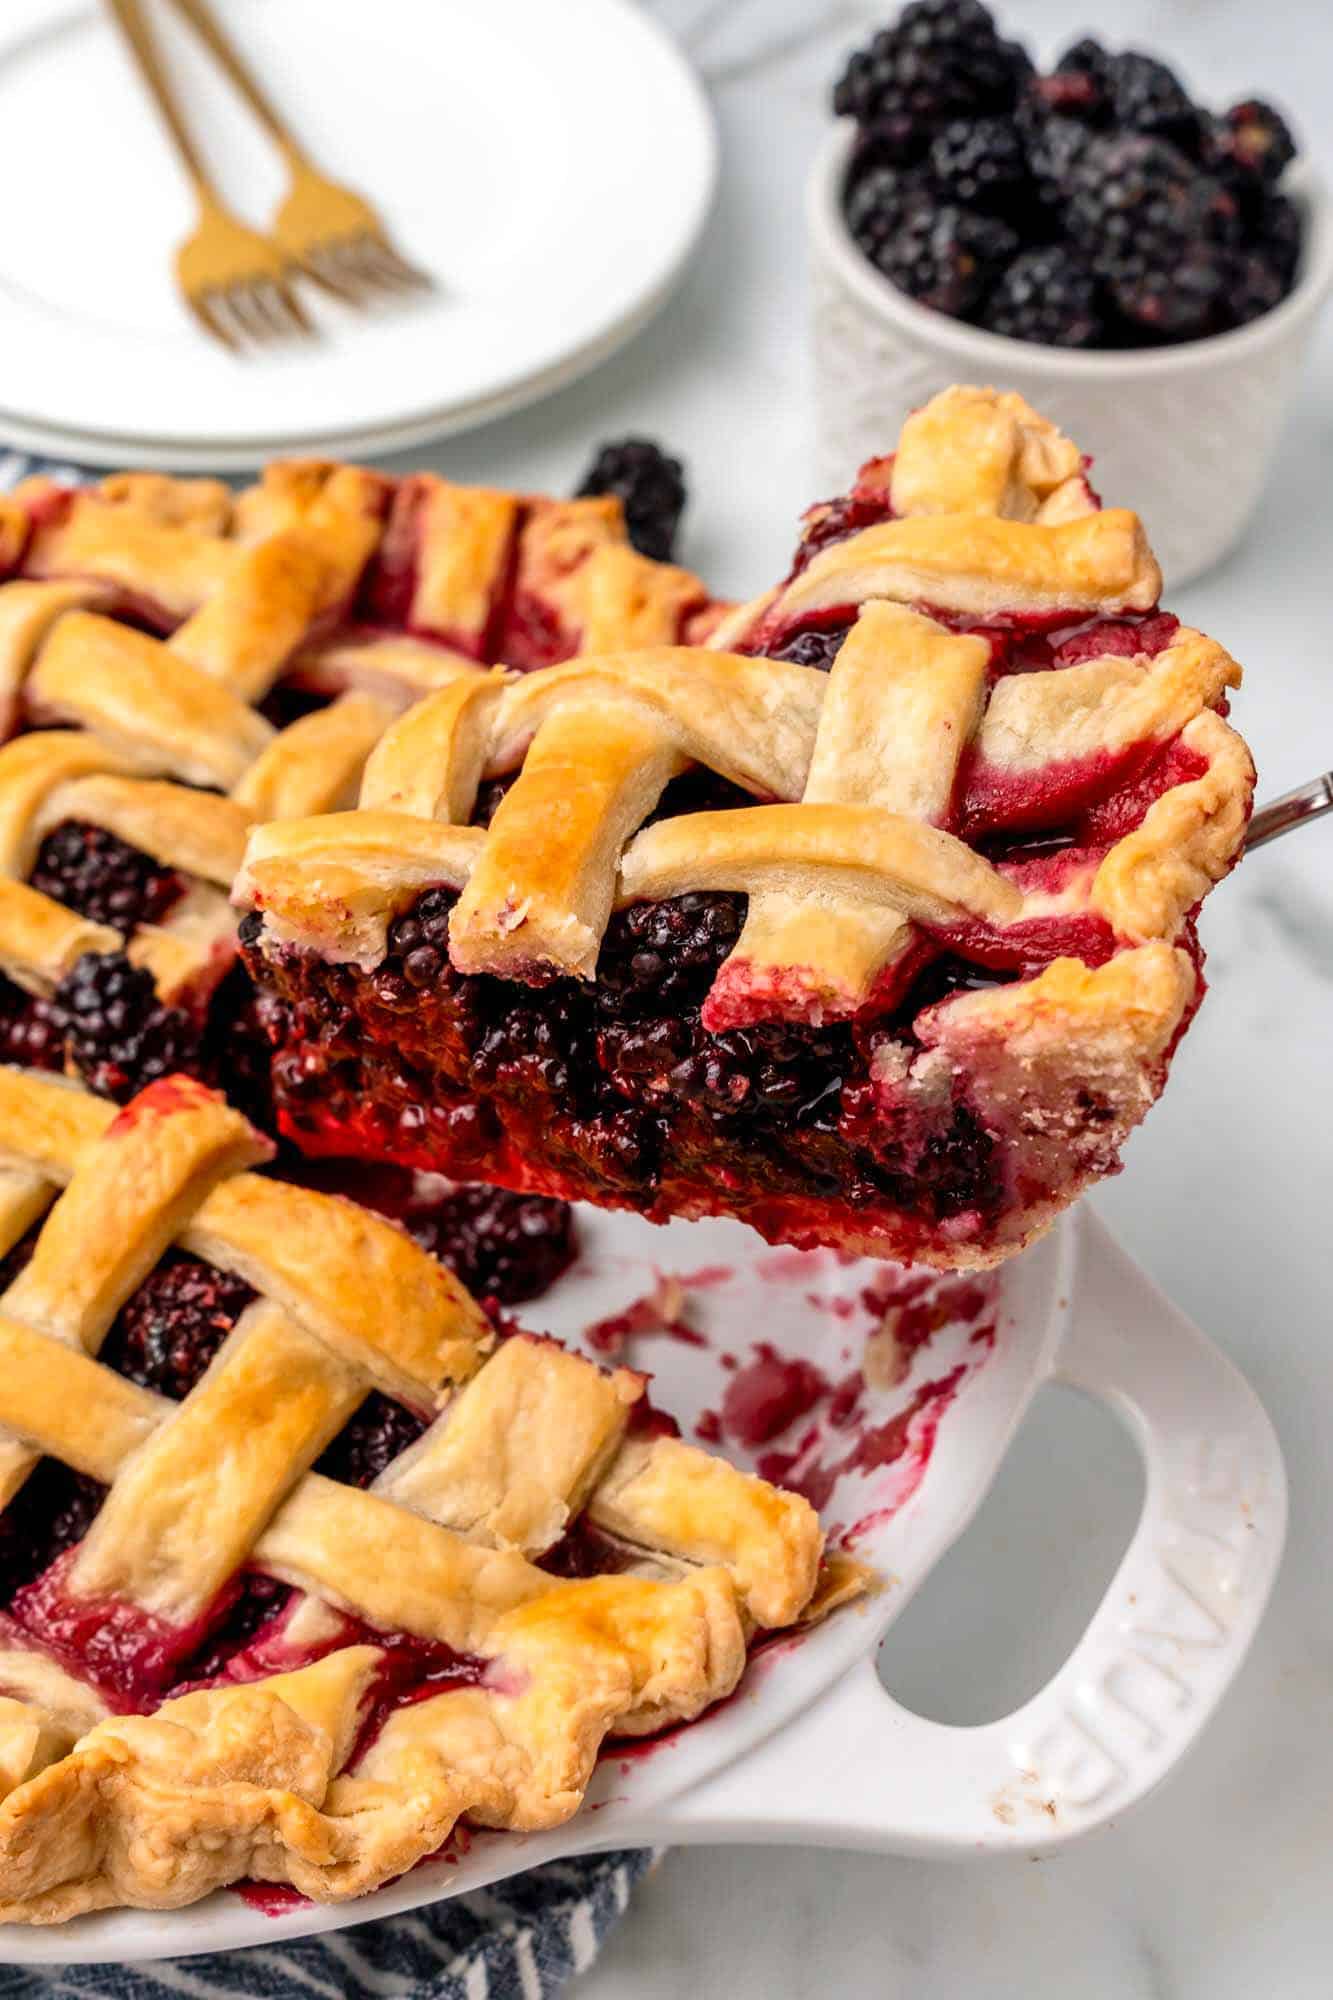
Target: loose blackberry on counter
649, 485
1133, 215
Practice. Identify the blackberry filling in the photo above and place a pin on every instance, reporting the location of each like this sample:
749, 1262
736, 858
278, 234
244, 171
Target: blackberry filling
118, 1035
257, 1601
372, 1439
501, 1245
812, 648
169, 1331
164, 1338
614, 1089
32, 1034
53, 1509
620, 1077
103, 877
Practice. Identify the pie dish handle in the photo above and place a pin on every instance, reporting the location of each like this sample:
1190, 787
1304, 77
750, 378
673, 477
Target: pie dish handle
859, 1770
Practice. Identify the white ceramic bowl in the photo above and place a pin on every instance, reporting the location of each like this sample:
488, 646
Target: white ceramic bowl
1185, 435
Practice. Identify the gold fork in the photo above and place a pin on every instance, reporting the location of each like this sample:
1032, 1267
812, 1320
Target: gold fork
330, 231
233, 279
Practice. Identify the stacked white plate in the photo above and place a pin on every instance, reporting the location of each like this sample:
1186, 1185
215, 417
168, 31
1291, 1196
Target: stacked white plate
552, 165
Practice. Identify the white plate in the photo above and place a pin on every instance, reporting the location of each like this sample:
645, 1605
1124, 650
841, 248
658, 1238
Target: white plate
551, 164
811, 1748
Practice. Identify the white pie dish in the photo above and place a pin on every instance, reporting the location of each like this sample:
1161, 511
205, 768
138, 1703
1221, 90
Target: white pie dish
483, 135
1184, 434
812, 1749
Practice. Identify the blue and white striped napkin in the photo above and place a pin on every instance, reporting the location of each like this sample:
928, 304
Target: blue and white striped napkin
16, 465
520, 1940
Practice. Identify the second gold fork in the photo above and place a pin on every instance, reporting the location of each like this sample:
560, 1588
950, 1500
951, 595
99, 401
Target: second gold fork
327, 229
234, 280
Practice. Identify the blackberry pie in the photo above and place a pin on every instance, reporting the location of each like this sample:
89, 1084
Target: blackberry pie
301, 1559
178, 662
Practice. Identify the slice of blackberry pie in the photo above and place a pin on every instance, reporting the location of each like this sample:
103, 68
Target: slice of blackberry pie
301, 1559
871, 923
179, 663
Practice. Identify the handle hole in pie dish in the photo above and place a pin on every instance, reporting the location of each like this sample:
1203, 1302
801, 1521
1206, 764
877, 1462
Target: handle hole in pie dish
1001, 1612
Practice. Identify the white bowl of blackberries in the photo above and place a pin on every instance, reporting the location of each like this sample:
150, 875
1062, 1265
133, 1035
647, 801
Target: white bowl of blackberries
1145, 267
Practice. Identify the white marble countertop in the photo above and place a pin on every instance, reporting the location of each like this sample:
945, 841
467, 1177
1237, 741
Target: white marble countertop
1219, 1885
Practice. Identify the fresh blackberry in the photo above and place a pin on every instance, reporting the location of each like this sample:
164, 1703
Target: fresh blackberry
1047, 295
946, 257
1054, 144
371, 1441
1182, 302
1278, 232
899, 135
118, 1034
1251, 145
940, 59
103, 878
1086, 57
981, 163
169, 1330
1074, 89
959, 37
875, 203
1153, 228
1148, 97
1252, 286
501, 1245
1174, 210
650, 487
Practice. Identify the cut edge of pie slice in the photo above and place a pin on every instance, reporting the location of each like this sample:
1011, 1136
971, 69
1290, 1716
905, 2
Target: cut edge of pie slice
871, 923
268, 1629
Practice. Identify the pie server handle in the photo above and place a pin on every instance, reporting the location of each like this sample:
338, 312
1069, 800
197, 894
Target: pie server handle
1309, 801
858, 1770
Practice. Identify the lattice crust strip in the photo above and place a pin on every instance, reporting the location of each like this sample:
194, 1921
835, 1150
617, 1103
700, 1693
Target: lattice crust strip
299, 1768
253, 589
